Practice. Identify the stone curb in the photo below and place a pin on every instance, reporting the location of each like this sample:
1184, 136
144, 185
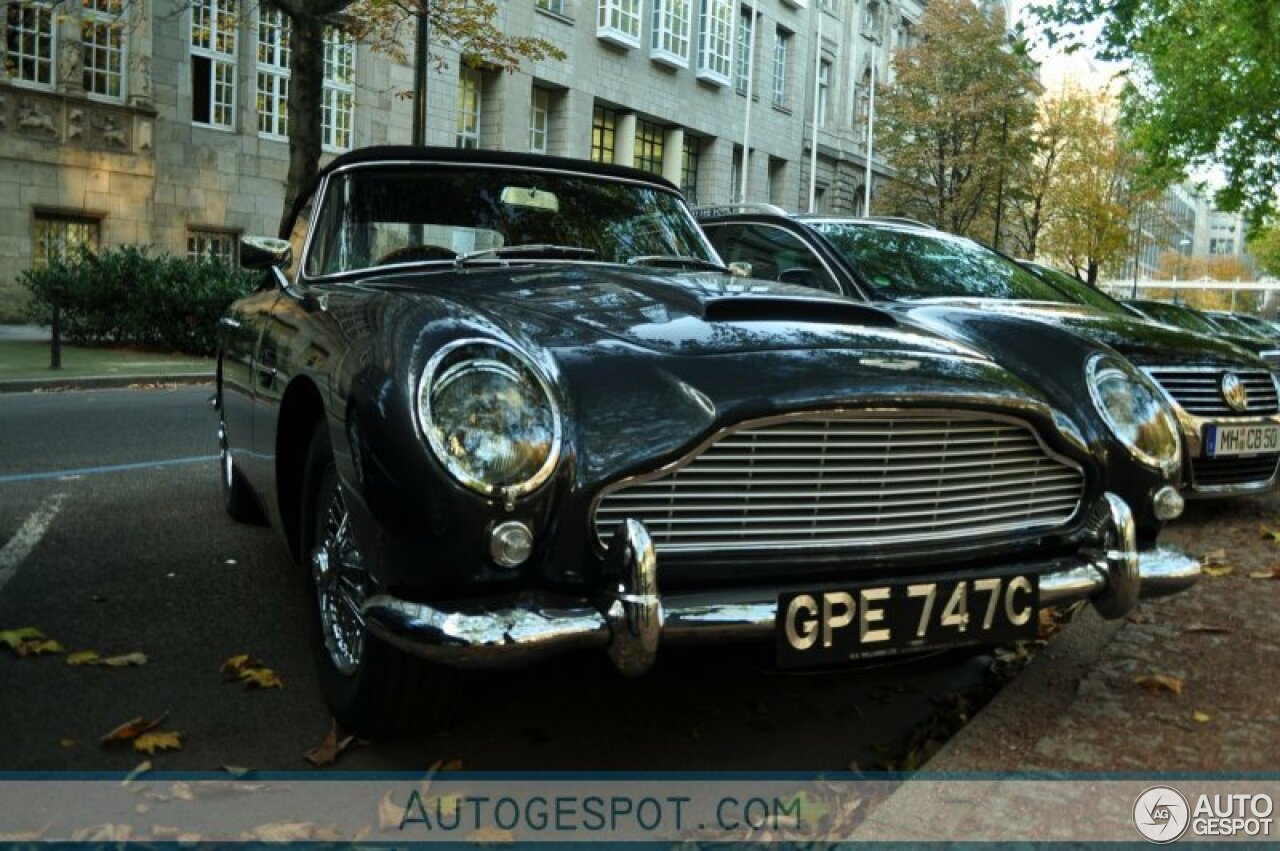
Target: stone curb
100, 382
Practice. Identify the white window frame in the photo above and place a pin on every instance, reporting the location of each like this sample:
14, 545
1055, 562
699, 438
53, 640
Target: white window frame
338, 97
219, 47
781, 61
672, 25
539, 119
102, 38
273, 74
555, 7
824, 90
218, 243
744, 50
715, 41
469, 108
42, 35
618, 22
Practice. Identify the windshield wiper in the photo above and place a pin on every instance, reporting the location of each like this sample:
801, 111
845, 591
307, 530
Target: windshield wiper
677, 260
542, 248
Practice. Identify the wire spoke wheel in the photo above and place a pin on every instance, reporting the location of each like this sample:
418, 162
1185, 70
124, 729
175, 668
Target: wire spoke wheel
341, 582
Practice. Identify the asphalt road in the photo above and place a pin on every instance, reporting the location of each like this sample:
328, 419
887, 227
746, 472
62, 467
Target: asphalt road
112, 539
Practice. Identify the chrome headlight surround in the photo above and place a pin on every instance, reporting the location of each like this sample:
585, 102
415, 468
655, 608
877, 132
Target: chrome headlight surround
1132, 408
439, 419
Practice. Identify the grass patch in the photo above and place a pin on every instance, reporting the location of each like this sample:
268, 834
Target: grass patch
30, 360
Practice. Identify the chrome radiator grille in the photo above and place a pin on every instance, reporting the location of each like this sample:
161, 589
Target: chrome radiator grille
851, 482
1199, 390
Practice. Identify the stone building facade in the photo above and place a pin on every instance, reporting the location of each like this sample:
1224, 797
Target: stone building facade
162, 122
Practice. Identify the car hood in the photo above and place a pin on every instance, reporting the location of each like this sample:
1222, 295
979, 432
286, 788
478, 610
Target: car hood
1144, 342
687, 314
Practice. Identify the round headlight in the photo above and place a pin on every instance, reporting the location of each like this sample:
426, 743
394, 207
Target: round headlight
1133, 410
489, 417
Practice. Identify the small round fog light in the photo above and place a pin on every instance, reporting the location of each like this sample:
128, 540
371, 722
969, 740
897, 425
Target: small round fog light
1167, 503
510, 544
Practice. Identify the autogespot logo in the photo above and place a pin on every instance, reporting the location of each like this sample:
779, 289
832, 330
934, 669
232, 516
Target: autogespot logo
1161, 814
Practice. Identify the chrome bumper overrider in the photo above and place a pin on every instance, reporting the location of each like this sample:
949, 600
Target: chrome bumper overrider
630, 617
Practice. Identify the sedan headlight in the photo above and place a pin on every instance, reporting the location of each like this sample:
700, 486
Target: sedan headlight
1131, 407
489, 417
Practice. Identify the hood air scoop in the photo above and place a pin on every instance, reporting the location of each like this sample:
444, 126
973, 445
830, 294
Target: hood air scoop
779, 308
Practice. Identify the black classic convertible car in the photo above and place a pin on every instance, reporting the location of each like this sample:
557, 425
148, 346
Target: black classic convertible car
1225, 398
507, 405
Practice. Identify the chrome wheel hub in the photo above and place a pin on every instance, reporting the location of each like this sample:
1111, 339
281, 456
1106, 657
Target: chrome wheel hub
337, 569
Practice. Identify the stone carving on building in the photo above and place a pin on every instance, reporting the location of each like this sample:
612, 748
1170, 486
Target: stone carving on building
75, 124
69, 65
111, 133
34, 121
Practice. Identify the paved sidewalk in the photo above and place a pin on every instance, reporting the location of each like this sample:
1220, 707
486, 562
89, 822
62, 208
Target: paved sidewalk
24, 364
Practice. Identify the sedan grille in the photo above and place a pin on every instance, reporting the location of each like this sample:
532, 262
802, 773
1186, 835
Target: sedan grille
1199, 391
1225, 472
842, 481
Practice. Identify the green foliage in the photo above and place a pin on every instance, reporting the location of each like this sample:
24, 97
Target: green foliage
126, 296
955, 124
1203, 89
1265, 248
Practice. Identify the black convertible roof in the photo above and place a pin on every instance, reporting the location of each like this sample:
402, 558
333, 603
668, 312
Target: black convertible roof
483, 157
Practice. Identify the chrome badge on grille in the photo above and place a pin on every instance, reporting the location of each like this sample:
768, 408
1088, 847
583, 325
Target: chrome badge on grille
1234, 392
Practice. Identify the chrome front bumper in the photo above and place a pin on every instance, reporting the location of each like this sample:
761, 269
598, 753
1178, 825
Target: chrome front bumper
631, 617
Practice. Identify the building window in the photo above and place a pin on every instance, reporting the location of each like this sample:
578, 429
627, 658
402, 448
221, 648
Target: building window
649, 146
539, 111
468, 108
58, 237
213, 62
103, 47
619, 22
273, 74
338, 105
554, 6
745, 53
824, 91
781, 59
603, 125
29, 43
689, 169
715, 41
671, 22
220, 245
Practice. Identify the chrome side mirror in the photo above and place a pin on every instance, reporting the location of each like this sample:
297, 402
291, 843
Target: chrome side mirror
265, 252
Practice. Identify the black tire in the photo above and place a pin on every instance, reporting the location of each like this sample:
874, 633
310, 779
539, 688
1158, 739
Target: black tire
373, 689
237, 496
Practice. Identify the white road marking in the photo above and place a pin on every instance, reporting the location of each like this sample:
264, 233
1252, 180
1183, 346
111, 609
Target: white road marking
21, 544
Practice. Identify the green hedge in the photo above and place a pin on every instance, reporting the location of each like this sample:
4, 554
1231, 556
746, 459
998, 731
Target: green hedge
126, 296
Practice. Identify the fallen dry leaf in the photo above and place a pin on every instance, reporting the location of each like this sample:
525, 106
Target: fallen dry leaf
1159, 683
132, 729
1217, 570
84, 657
328, 834
1208, 629
11, 638
491, 834
252, 672
66, 743
326, 753
1201, 717
37, 647
1218, 556
1272, 572
1270, 534
281, 831
236, 771
141, 769
389, 813
261, 678
124, 661
165, 740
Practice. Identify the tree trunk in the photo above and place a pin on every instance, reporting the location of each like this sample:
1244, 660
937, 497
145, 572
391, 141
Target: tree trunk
306, 84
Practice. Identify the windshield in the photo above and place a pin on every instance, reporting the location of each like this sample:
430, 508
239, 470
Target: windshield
380, 216
1177, 316
1077, 290
911, 264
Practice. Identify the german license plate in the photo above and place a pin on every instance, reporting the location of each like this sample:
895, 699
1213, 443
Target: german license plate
1225, 441
832, 626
